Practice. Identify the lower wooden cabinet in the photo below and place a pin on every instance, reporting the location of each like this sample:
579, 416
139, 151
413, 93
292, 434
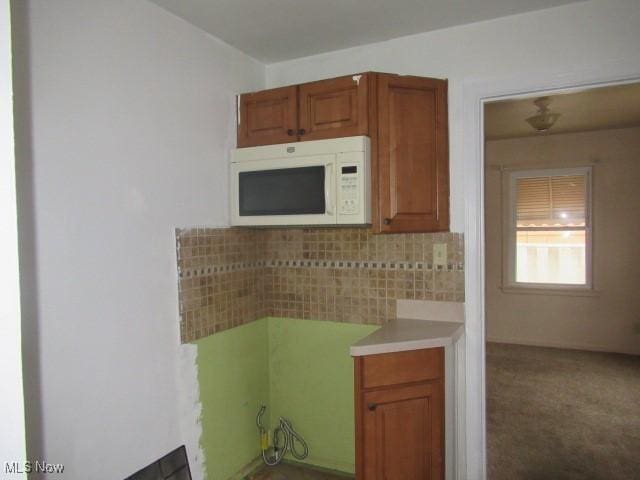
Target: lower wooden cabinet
400, 427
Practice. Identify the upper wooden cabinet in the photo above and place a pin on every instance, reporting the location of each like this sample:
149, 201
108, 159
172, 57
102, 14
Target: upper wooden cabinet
406, 119
268, 117
332, 108
413, 155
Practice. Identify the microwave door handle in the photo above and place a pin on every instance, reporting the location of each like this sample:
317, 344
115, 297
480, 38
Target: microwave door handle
328, 188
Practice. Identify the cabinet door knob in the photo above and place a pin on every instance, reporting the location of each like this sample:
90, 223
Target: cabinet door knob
387, 221
372, 406
290, 132
302, 131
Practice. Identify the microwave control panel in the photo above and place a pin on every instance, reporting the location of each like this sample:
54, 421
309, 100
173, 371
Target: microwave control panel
349, 190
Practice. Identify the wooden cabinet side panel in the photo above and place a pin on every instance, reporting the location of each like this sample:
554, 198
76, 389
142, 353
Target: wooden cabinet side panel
375, 164
268, 117
413, 185
334, 108
359, 425
437, 463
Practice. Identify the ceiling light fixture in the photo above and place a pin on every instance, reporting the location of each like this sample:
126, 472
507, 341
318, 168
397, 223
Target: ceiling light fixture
544, 119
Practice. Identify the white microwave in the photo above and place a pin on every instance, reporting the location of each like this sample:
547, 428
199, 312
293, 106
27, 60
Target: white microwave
319, 182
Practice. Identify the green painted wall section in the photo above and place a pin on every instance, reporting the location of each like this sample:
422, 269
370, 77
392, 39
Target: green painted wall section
311, 377
301, 369
233, 373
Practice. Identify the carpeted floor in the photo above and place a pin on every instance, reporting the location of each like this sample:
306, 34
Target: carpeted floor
286, 471
556, 414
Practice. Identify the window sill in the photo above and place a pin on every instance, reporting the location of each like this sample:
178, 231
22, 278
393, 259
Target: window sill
569, 292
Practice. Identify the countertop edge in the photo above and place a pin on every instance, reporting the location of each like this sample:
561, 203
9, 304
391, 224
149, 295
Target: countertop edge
407, 345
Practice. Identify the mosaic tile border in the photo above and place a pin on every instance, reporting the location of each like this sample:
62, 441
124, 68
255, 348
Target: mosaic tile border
213, 269
340, 264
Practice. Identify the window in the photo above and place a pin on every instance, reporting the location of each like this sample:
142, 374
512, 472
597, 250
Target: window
548, 238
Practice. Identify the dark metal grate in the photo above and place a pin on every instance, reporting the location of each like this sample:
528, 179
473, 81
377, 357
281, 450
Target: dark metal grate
173, 466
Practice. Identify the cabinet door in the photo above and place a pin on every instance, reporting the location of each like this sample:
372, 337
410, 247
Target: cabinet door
267, 117
413, 157
334, 108
403, 433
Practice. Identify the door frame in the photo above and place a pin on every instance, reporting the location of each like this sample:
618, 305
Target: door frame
470, 408
13, 438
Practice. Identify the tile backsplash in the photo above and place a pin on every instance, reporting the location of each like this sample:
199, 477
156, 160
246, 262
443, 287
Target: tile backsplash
229, 277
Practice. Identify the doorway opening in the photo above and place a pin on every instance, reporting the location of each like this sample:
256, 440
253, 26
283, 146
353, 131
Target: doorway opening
562, 226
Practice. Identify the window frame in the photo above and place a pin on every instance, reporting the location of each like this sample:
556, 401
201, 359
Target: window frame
510, 230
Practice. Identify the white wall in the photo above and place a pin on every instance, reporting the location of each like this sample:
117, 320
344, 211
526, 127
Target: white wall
12, 436
557, 41
127, 117
608, 320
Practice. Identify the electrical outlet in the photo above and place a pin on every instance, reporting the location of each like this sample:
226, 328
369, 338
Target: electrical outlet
440, 254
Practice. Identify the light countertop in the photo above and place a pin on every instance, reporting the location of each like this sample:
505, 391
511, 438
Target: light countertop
405, 334
414, 333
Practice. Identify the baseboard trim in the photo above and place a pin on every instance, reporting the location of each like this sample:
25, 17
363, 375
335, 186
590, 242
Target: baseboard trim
319, 468
247, 469
567, 345
257, 462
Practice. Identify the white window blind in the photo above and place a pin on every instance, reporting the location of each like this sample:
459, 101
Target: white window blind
551, 201
549, 234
